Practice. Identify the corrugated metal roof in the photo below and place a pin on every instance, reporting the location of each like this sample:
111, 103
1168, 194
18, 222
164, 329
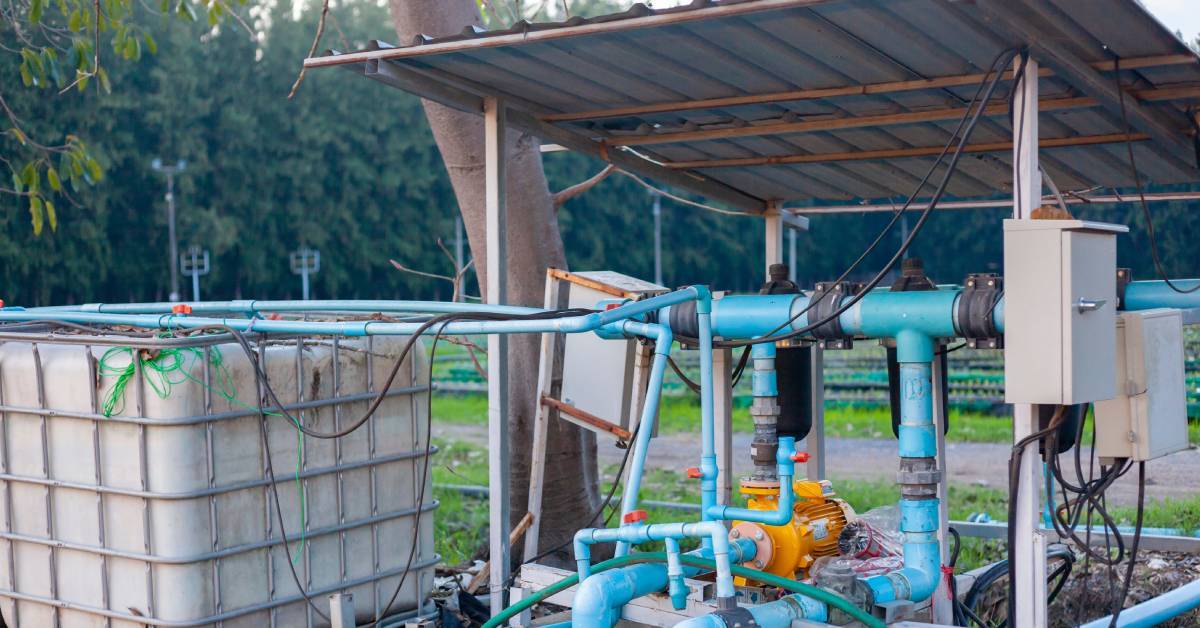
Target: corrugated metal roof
799, 100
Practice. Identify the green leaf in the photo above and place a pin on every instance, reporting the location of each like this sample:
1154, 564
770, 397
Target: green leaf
75, 22
104, 84
51, 215
187, 11
213, 16
151, 45
35, 11
35, 214
26, 77
30, 176
130, 48
52, 178
20, 135
18, 184
82, 78
94, 169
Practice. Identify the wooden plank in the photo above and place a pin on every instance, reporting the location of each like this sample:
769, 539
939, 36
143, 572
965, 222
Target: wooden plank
654, 20
587, 419
868, 89
833, 123
484, 574
897, 153
541, 422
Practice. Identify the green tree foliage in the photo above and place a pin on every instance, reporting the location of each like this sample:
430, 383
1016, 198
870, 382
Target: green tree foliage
349, 167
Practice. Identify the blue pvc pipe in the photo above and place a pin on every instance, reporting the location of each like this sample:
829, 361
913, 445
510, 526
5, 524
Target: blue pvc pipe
708, 420
599, 599
919, 518
778, 614
662, 351
1145, 295
1156, 610
643, 533
782, 514
251, 307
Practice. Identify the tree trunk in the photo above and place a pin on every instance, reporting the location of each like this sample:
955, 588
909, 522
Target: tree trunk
534, 244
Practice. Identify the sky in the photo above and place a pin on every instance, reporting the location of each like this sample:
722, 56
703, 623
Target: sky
1180, 15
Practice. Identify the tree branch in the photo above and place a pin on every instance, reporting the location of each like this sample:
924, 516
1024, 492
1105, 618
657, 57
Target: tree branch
567, 194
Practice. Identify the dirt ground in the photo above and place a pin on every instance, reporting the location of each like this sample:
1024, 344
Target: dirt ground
981, 464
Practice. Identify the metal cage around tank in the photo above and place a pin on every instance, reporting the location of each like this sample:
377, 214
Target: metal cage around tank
160, 512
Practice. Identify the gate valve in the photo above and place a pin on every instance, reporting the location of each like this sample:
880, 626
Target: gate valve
695, 473
634, 516
181, 308
799, 456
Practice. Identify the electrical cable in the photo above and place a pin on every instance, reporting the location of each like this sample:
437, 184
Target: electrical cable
1137, 181
1133, 549
967, 125
694, 387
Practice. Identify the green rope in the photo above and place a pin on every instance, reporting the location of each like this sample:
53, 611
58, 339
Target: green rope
808, 590
164, 369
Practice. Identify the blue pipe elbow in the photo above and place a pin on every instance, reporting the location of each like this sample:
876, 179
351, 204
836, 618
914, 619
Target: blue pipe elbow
786, 469
778, 614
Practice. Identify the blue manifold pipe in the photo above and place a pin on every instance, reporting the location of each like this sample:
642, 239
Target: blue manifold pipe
1156, 610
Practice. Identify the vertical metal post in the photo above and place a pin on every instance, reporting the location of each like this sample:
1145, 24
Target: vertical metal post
723, 407
1029, 556
792, 255
657, 210
497, 344
814, 443
341, 610
943, 602
174, 296
304, 282
458, 250
773, 246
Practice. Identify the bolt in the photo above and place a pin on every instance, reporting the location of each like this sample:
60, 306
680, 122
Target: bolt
735, 535
758, 536
758, 563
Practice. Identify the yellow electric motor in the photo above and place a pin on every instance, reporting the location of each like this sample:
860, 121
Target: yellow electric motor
790, 549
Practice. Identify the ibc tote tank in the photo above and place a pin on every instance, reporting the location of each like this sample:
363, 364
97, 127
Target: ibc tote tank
162, 514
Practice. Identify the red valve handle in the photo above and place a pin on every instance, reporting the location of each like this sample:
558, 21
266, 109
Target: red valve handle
181, 308
634, 516
694, 473
800, 456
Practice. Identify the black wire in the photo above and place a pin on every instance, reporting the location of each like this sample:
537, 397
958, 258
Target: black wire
967, 126
683, 378
946, 350
1133, 549
1137, 180
694, 387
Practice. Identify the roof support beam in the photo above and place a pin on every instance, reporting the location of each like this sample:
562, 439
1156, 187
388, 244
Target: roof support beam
1045, 45
425, 86
1069, 198
869, 89
889, 119
900, 153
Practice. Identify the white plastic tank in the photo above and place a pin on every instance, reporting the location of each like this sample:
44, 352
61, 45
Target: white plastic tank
162, 513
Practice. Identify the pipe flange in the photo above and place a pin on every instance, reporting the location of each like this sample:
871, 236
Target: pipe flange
764, 546
974, 318
736, 617
825, 299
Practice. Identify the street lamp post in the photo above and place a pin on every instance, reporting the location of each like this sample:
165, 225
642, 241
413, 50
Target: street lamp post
170, 171
657, 209
194, 263
305, 262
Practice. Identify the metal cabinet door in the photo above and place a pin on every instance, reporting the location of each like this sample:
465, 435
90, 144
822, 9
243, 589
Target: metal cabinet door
1089, 307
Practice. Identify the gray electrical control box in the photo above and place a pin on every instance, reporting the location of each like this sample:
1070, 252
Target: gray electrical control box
1060, 305
1148, 417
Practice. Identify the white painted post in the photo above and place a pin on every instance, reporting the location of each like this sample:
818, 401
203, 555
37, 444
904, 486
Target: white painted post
341, 610
1029, 555
814, 443
943, 601
497, 345
541, 427
723, 407
773, 247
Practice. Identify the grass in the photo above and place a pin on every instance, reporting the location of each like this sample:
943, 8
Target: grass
682, 414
